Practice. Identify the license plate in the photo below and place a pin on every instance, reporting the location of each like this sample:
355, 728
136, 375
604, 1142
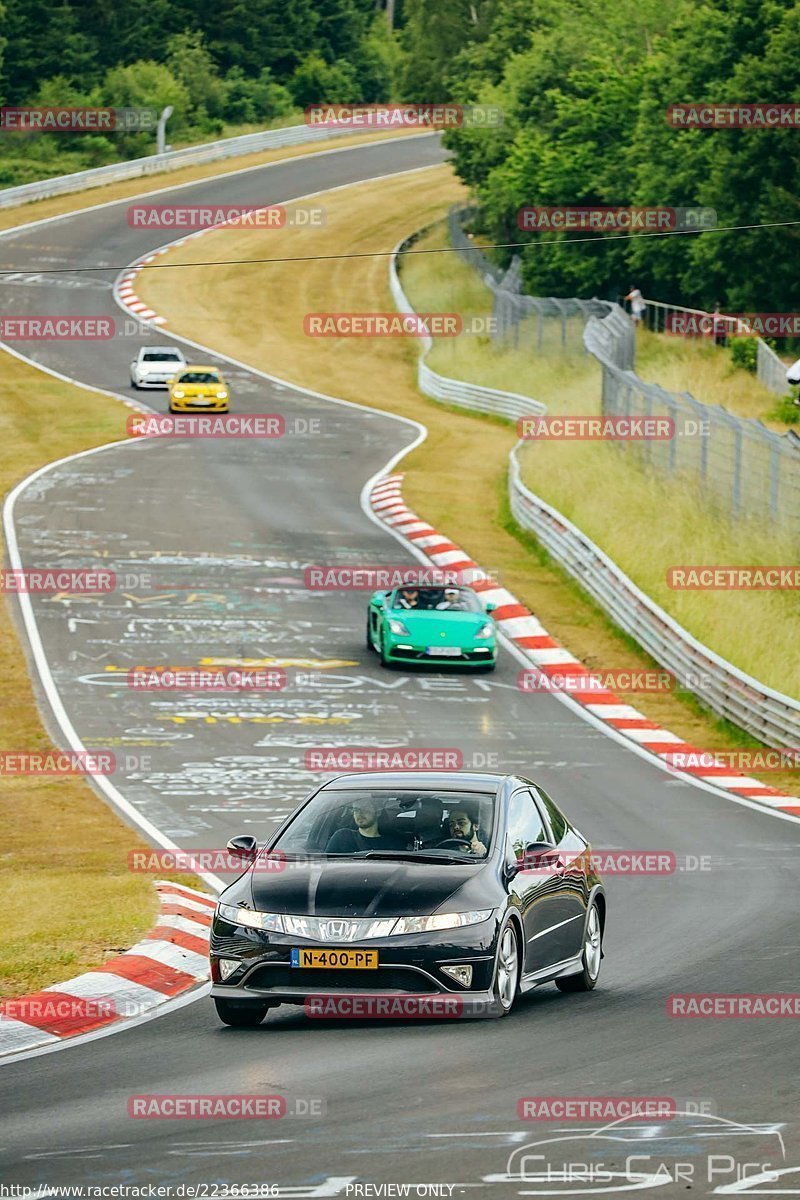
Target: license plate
351, 960
444, 651
201, 400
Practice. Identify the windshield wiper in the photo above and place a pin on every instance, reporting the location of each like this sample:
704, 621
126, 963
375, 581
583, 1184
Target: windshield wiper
440, 856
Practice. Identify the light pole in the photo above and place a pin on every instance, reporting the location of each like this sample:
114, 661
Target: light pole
161, 129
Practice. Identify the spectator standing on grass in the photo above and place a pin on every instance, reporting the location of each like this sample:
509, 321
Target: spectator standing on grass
638, 306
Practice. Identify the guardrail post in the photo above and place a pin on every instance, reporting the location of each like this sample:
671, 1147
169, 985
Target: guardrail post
774, 478
737, 471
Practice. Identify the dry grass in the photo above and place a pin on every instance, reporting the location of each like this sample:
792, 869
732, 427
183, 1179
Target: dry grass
645, 523
70, 901
456, 479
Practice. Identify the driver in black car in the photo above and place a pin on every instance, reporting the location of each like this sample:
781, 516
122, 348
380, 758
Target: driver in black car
462, 825
366, 835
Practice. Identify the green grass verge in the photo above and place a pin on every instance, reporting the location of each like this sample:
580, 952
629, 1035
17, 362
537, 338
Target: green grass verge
645, 522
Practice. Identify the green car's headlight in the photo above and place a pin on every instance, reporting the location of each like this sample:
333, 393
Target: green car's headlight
485, 631
273, 922
441, 921
398, 627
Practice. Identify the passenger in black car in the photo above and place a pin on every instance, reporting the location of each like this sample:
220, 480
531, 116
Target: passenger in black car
366, 835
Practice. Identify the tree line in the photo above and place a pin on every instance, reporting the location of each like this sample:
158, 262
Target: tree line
585, 86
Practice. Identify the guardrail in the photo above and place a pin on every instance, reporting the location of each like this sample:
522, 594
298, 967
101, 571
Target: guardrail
770, 368
189, 156
768, 715
456, 391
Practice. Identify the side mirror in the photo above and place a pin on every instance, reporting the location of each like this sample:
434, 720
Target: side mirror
539, 856
245, 846
490, 607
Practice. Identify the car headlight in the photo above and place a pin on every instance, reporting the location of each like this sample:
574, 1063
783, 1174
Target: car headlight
222, 395
178, 394
441, 921
398, 627
485, 631
272, 922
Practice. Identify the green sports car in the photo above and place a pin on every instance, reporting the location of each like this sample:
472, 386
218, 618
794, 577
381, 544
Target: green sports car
428, 624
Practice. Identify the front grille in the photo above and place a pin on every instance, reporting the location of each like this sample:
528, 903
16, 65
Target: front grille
385, 979
421, 656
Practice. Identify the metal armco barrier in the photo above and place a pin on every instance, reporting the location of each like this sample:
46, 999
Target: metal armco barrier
235, 147
457, 391
768, 715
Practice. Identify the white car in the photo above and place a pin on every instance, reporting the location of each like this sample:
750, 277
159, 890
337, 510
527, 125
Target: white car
154, 366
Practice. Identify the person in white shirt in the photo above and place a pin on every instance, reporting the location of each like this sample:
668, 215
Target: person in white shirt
638, 306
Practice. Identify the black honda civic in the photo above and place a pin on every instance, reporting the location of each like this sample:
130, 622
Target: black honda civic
409, 894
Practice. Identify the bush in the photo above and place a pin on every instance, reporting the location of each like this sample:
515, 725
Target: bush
254, 101
744, 353
317, 82
785, 410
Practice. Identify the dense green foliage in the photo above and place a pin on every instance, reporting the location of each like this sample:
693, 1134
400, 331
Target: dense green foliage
219, 65
585, 86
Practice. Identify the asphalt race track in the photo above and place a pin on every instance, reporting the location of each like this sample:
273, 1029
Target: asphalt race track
214, 536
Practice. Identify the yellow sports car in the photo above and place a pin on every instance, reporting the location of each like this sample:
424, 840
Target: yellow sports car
198, 389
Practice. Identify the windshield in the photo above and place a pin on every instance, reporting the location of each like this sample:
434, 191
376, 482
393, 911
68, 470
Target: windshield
429, 826
162, 356
199, 377
423, 599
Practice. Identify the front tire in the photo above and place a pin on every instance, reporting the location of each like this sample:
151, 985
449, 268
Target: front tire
240, 1013
385, 660
505, 984
370, 644
586, 979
